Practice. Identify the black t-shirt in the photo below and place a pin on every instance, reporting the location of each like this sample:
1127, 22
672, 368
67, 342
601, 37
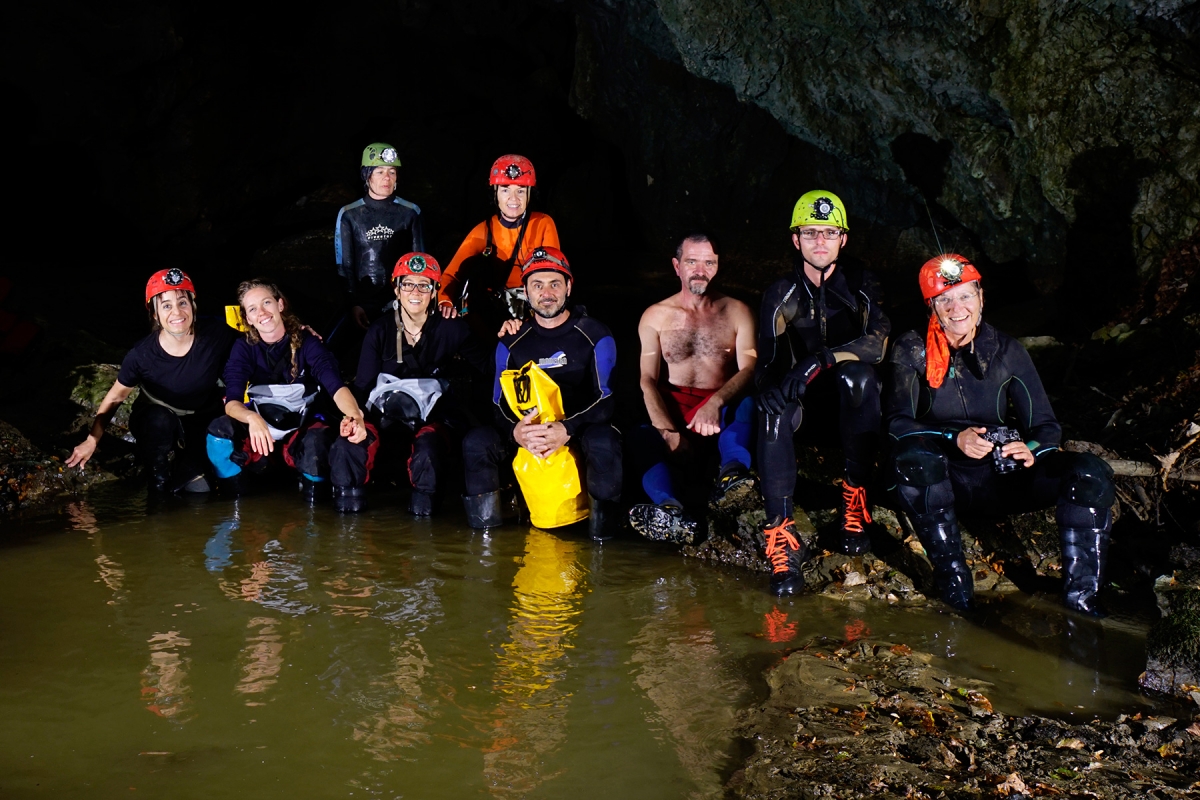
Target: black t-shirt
187, 382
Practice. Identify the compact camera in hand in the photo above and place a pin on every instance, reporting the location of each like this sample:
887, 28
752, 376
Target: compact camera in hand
1001, 436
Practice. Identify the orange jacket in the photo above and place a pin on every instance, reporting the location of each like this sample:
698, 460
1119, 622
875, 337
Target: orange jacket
541, 232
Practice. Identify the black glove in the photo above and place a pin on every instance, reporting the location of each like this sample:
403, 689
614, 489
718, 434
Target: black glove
800, 376
771, 401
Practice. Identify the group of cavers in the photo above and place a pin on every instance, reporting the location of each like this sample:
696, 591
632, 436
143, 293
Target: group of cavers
967, 423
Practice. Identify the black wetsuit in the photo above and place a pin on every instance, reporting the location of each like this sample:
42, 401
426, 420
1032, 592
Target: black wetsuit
842, 317
430, 439
579, 356
990, 383
315, 449
174, 384
369, 239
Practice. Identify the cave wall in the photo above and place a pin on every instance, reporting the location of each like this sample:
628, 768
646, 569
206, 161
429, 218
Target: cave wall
1062, 137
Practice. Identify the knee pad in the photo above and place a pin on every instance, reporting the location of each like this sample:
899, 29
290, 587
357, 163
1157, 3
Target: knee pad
1096, 518
917, 464
221, 427
1089, 482
855, 381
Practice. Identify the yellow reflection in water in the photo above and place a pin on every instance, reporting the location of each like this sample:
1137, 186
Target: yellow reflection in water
530, 720
164, 681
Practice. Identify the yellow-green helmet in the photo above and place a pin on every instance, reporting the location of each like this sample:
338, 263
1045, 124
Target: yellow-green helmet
380, 154
820, 207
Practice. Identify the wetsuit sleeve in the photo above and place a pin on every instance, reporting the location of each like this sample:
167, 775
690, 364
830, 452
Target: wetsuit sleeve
774, 349
451, 288
604, 360
238, 370
908, 376
1034, 414
870, 347
343, 248
370, 361
320, 363
505, 418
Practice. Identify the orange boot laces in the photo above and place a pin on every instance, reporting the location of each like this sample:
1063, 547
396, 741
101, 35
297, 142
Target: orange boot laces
778, 551
855, 498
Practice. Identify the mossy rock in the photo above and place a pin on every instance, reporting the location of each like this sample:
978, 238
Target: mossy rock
1173, 647
91, 382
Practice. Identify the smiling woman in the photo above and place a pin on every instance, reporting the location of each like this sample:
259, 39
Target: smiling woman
177, 367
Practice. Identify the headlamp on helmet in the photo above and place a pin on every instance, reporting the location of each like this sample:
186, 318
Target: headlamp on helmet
417, 264
380, 154
944, 272
546, 258
512, 170
819, 207
166, 280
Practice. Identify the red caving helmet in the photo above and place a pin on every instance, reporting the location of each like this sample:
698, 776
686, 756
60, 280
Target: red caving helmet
167, 279
512, 169
945, 272
417, 264
546, 258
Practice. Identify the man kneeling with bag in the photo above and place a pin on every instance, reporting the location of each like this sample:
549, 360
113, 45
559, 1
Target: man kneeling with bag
577, 354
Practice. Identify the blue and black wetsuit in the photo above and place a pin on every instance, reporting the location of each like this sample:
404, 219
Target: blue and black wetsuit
369, 238
579, 356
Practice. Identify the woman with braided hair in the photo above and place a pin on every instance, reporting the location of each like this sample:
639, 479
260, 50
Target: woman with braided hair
272, 382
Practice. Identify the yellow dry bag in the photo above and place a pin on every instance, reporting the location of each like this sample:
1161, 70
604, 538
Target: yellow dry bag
552, 486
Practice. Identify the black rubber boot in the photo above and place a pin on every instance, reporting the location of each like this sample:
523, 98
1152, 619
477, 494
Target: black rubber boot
311, 490
940, 536
604, 518
484, 510
236, 486
420, 504
349, 499
852, 536
664, 523
787, 552
1085, 556
158, 473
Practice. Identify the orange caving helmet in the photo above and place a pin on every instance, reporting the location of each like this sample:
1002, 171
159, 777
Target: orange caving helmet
417, 264
512, 169
167, 279
546, 258
945, 272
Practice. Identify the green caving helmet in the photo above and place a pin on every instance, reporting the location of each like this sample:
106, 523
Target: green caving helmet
380, 154
819, 207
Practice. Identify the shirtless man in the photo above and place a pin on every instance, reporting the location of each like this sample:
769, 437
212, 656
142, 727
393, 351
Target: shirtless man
707, 341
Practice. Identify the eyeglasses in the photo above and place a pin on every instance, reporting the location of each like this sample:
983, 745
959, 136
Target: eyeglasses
409, 286
810, 235
946, 300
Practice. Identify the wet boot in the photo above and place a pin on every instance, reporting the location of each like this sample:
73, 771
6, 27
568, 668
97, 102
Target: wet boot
787, 553
604, 518
349, 499
158, 473
235, 486
484, 511
310, 490
940, 536
195, 484
853, 539
1084, 558
734, 482
420, 504
663, 523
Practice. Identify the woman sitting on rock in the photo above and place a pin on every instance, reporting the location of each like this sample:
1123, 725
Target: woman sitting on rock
178, 367
974, 431
272, 385
402, 373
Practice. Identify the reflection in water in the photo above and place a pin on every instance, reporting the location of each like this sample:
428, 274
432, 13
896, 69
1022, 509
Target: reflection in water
777, 628
275, 580
401, 722
164, 680
113, 576
82, 517
529, 721
679, 662
261, 658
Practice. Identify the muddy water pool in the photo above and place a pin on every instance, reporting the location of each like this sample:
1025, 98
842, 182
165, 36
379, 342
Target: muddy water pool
260, 648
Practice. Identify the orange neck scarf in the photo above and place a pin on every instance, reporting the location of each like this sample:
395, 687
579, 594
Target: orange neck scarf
937, 353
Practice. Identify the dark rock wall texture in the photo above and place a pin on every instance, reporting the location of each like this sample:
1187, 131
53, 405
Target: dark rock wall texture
1064, 136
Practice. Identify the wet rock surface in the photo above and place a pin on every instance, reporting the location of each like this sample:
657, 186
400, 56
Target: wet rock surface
28, 476
1173, 646
870, 718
